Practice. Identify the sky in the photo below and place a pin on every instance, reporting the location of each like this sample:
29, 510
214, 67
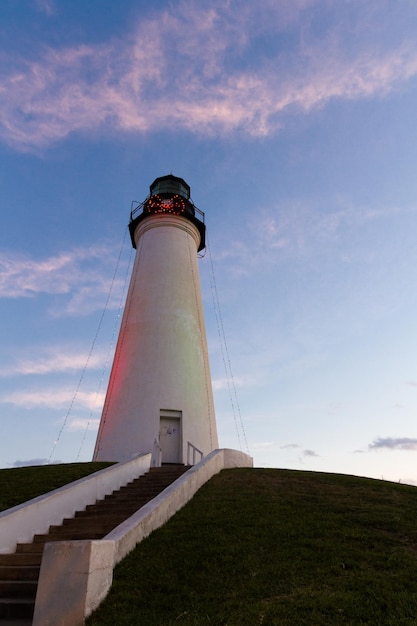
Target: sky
294, 123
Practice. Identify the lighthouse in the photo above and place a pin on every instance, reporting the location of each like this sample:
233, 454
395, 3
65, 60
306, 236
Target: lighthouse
159, 398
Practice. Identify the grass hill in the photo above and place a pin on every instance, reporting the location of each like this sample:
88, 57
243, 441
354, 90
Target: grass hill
274, 547
24, 483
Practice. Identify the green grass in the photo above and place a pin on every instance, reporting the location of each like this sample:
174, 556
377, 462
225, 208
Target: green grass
258, 546
23, 483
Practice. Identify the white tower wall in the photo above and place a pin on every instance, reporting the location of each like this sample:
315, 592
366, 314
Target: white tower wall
161, 365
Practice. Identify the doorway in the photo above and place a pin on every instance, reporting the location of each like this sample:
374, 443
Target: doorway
170, 436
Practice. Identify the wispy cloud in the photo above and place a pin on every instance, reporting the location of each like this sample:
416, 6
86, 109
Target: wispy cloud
392, 443
83, 276
77, 424
303, 453
53, 359
262, 445
57, 398
161, 76
300, 228
46, 6
219, 384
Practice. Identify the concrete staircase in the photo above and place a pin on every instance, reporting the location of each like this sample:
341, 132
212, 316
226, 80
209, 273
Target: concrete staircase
19, 572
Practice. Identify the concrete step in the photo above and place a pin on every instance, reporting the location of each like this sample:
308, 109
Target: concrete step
149, 479
115, 505
20, 559
101, 511
134, 492
97, 522
91, 528
153, 479
65, 536
19, 572
168, 466
16, 609
29, 548
18, 588
131, 494
123, 499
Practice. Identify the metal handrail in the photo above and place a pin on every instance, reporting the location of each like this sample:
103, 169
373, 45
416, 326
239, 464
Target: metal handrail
156, 460
195, 451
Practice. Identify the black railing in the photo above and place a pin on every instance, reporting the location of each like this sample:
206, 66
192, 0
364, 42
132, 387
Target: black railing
138, 208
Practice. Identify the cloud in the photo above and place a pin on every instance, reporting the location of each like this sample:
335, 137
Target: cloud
306, 454
58, 398
55, 359
310, 453
262, 445
303, 453
300, 229
391, 443
82, 276
77, 424
298, 226
219, 384
30, 462
46, 6
162, 77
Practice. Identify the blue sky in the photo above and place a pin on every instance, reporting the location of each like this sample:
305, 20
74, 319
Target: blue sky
294, 123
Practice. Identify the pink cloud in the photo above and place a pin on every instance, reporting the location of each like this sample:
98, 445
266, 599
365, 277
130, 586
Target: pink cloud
162, 76
82, 277
53, 359
58, 398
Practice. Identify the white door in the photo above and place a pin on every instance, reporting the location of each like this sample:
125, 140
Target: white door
170, 439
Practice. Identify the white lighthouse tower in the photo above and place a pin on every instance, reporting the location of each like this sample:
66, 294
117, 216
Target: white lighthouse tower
159, 397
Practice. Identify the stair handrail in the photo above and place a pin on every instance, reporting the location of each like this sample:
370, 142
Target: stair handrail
192, 452
156, 454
